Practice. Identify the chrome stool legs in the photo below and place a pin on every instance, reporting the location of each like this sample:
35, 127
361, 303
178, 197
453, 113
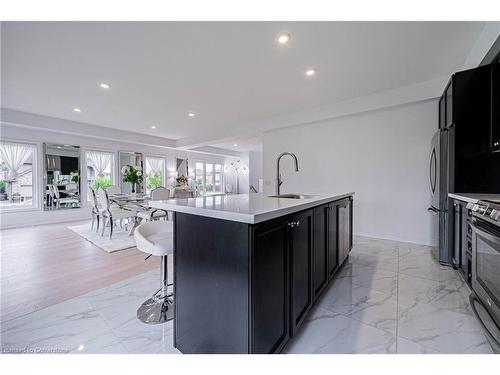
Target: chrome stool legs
160, 307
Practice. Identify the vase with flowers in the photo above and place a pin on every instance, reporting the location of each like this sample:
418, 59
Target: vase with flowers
181, 180
133, 175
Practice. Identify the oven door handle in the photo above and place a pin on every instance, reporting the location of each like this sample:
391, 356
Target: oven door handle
485, 234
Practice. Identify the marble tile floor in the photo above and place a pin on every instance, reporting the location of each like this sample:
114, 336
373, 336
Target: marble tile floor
390, 297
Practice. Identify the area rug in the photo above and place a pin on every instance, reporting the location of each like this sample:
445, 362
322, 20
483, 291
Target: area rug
120, 241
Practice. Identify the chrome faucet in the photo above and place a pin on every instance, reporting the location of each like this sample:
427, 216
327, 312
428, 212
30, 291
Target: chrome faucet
279, 182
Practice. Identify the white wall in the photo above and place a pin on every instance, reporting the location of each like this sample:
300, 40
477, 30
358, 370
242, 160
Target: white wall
381, 155
243, 175
38, 136
255, 166
252, 160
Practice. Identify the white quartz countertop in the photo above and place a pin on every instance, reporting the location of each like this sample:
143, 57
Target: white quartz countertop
245, 208
474, 198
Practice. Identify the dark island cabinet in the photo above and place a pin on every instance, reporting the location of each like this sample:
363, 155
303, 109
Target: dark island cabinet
332, 237
301, 252
247, 288
320, 249
270, 286
343, 226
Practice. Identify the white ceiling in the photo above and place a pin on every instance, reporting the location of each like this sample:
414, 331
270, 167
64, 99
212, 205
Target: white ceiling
243, 144
228, 73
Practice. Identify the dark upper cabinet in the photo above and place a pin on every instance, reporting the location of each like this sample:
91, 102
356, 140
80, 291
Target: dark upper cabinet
449, 104
470, 137
442, 112
320, 248
495, 109
332, 239
301, 254
472, 112
271, 328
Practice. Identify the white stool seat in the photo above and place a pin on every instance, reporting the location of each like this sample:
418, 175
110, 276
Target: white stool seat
155, 238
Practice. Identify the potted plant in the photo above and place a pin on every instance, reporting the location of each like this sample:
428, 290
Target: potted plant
133, 175
16, 197
74, 176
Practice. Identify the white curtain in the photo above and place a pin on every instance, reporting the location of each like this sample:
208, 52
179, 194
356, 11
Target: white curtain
100, 161
155, 165
14, 155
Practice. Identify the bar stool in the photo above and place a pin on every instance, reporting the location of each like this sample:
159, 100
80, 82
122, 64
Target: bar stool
157, 238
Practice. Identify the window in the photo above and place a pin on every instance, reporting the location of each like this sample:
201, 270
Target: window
99, 170
208, 177
17, 182
155, 173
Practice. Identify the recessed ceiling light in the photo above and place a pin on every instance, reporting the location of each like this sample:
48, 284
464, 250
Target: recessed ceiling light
283, 38
310, 72
77, 110
104, 85
153, 127
235, 145
191, 114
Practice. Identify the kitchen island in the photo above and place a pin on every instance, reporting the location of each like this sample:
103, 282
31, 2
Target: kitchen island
249, 267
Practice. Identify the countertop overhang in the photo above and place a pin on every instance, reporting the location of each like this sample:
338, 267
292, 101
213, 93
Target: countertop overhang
244, 208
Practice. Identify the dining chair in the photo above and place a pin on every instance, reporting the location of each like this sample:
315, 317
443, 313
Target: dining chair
110, 213
60, 200
49, 195
96, 211
157, 194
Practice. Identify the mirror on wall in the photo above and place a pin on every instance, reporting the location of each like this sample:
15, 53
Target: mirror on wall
61, 176
181, 167
131, 181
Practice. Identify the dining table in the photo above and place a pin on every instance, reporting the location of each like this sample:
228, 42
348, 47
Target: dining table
132, 201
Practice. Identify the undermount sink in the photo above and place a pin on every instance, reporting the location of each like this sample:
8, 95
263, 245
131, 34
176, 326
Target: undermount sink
294, 196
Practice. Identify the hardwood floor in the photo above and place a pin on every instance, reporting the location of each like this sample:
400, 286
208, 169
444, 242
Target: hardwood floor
47, 264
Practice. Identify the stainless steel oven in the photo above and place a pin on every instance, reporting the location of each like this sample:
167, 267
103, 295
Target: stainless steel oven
486, 266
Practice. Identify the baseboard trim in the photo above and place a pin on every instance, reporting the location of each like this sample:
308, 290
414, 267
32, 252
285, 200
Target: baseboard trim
389, 237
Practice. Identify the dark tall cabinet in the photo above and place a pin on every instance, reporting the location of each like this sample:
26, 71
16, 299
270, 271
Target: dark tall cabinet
495, 107
469, 110
469, 161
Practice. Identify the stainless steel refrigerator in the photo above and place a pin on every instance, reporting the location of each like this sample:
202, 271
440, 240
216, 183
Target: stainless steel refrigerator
441, 178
